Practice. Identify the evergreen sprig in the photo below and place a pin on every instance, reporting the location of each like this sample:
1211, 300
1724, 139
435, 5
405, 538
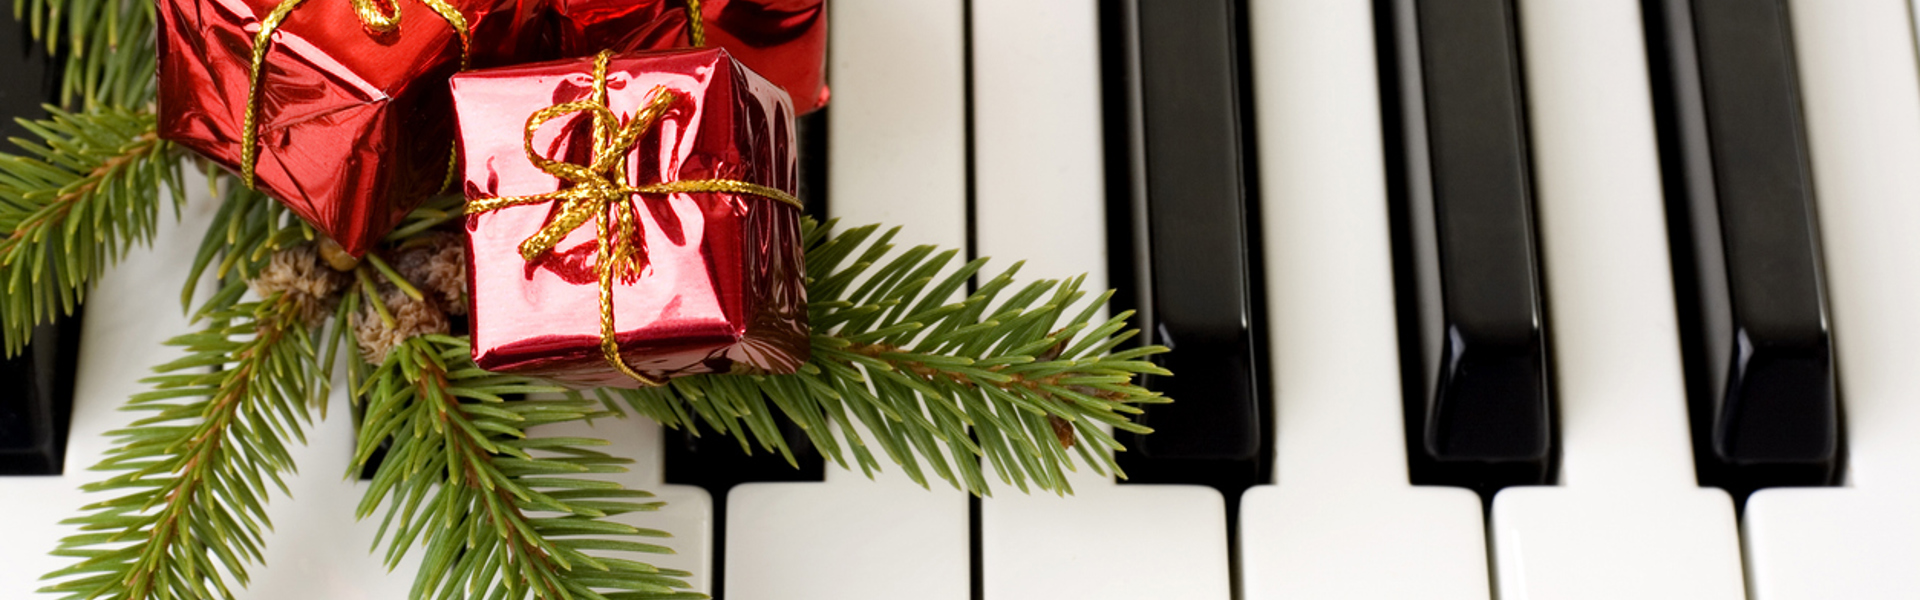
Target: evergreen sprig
504, 514
246, 229
107, 47
193, 478
75, 199
1015, 380
1020, 377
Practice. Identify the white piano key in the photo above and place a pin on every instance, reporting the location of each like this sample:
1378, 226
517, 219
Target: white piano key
896, 148
1039, 197
1859, 87
1342, 521
848, 537
1629, 521
317, 549
120, 342
688, 515
896, 145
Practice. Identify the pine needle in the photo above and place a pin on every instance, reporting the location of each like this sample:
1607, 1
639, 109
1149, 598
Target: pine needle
71, 203
193, 476
1012, 379
107, 44
501, 514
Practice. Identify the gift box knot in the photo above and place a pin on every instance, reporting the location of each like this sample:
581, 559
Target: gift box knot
597, 190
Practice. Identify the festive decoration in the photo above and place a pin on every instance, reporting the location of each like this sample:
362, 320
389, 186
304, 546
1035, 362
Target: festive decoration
307, 281
660, 244
1019, 377
782, 40
437, 261
337, 108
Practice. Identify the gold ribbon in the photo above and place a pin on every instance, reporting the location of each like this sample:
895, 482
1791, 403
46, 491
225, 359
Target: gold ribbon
696, 28
377, 21
598, 191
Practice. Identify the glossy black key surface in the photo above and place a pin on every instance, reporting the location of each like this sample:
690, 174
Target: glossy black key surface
1182, 248
36, 400
811, 132
36, 386
1747, 267
29, 78
1479, 406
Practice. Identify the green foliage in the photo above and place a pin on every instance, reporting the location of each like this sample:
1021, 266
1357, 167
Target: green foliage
72, 203
107, 45
987, 376
192, 482
1020, 377
504, 514
246, 229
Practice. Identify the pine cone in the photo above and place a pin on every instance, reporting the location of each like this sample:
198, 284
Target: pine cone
305, 278
438, 266
411, 318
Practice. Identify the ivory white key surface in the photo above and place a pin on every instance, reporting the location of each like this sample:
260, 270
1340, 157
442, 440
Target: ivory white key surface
897, 156
120, 341
1629, 520
316, 550
1039, 198
688, 514
1342, 520
1859, 87
896, 145
319, 551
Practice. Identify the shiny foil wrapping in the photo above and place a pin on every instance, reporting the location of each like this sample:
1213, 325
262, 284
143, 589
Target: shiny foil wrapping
783, 40
355, 127
721, 289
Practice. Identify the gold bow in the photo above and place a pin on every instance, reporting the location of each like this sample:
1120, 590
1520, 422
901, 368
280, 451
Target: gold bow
598, 191
372, 16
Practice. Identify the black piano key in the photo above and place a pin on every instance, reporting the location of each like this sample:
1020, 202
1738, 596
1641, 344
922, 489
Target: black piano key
1180, 229
31, 78
716, 463
1747, 266
36, 400
1479, 410
811, 132
36, 386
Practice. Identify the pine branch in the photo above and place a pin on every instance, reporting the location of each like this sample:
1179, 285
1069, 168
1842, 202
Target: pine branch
503, 514
1017, 380
72, 203
193, 475
106, 44
247, 228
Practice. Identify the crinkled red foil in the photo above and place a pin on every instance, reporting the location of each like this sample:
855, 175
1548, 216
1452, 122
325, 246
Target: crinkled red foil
355, 127
722, 282
783, 40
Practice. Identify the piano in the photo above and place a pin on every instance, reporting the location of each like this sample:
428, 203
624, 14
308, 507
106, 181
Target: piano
1527, 299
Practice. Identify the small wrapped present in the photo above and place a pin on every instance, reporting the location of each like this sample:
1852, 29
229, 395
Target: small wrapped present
783, 40
340, 113
631, 218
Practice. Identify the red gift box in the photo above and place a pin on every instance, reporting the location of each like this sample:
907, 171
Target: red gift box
783, 40
717, 279
354, 125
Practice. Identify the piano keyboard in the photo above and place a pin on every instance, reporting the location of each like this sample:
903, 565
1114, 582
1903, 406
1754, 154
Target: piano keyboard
1531, 299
